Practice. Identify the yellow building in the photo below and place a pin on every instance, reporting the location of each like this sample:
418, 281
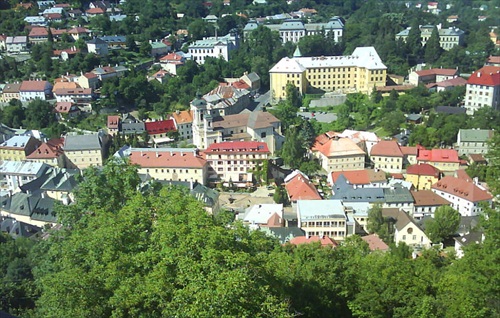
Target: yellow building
18, 148
359, 72
422, 176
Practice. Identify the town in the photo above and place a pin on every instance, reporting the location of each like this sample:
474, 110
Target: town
290, 120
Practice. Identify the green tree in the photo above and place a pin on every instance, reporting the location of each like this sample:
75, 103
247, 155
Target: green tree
39, 114
433, 48
392, 122
145, 49
414, 43
444, 224
293, 150
280, 196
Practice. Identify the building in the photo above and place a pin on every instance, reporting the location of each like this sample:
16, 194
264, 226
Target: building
299, 187
30, 209
160, 129
364, 139
171, 62
16, 44
359, 72
31, 90
322, 218
406, 230
227, 99
159, 48
366, 178
234, 161
422, 176
433, 75
208, 197
426, 203
50, 153
86, 150
76, 95
97, 46
465, 196
338, 154
445, 160
292, 30
387, 156
113, 124
66, 110
38, 35
88, 80
16, 173
18, 148
215, 47
483, 89
171, 164
473, 141
10, 92
184, 123
323, 241
375, 243
263, 215
468, 239
448, 38
493, 61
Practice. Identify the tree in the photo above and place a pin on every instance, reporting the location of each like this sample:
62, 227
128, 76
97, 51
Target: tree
39, 114
145, 49
445, 223
392, 122
433, 48
293, 97
280, 196
414, 43
293, 150
378, 224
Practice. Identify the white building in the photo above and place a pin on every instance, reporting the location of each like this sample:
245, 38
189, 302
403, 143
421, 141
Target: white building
322, 218
16, 173
16, 44
184, 123
31, 90
483, 89
448, 38
216, 47
74, 95
473, 141
98, 47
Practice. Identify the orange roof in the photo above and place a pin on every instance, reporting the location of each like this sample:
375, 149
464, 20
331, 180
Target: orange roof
301, 188
65, 85
183, 117
375, 243
494, 59
462, 189
75, 91
438, 155
95, 11
423, 169
325, 240
408, 151
428, 198
64, 107
336, 146
487, 75
113, 122
462, 174
167, 159
38, 31
174, 57
386, 148
33, 86
364, 176
48, 150
438, 71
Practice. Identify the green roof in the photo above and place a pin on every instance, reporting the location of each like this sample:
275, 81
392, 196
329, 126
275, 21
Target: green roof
474, 135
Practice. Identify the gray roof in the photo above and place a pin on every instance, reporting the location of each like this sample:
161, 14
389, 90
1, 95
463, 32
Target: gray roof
17, 229
292, 25
475, 135
82, 142
16, 141
471, 238
347, 193
113, 38
209, 197
250, 26
450, 110
133, 128
96, 41
44, 210
397, 194
283, 234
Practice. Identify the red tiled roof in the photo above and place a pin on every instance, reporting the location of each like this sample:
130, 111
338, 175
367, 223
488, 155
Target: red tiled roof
33, 86
113, 122
79, 30
166, 159
171, 57
58, 32
494, 59
386, 148
423, 169
365, 176
64, 107
325, 240
487, 75
438, 71
333, 146
160, 127
62, 5
375, 243
90, 75
301, 188
457, 81
397, 175
70, 51
183, 117
428, 198
462, 188
95, 11
438, 155
65, 84
38, 31
462, 174
52, 16
48, 150
73, 91
476, 157
409, 150
238, 147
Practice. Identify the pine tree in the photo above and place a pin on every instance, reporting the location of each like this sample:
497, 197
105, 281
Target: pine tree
414, 44
433, 49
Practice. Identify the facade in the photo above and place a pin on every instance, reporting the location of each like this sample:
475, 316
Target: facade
422, 176
445, 160
16, 44
16, 173
171, 164
98, 47
38, 35
483, 89
463, 195
359, 72
448, 38
426, 203
86, 150
18, 148
160, 129
88, 80
433, 75
31, 90
184, 123
366, 178
338, 154
406, 229
171, 62
113, 124
50, 153
216, 47
292, 30
76, 95
10, 92
235, 160
30, 209
473, 141
322, 218
387, 156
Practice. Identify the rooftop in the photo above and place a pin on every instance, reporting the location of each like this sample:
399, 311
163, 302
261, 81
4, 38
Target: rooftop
238, 146
299, 187
428, 198
167, 158
423, 169
438, 155
462, 188
387, 148
487, 76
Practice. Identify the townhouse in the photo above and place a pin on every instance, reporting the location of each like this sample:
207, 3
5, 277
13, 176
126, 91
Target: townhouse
31, 90
299, 187
338, 154
445, 160
387, 156
483, 89
263, 215
214, 47
50, 152
422, 176
426, 203
18, 148
473, 141
322, 218
84, 151
16, 173
366, 178
184, 124
405, 229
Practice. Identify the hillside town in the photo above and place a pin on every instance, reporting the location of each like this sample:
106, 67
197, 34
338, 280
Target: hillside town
308, 146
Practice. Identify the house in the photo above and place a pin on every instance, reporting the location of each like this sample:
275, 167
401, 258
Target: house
131, 125
324, 241
28, 208
422, 176
493, 61
77, 95
113, 124
88, 80
398, 196
18, 148
406, 230
94, 12
10, 92
97, 46
473, 141
171, 62
477, 159
465, 196
452, 18
359, 72
64, 83
86, 150
115, 40
283, 234
55, 183
171, 164
483, 89
184, 124
299, 187
322, 218
161, 130
16, 173
31, 90
50, 153
105, 72
208, 197
263, 215
433, 75
79, 32
364, 139
426, 203
159, 48
366, 178
448, 38
349, 193
409, 153
375, 243
215, 47
16, 44
447, 84
234, 161
466, 240
17, 229
445, 160
161, 76
66, 54
338, 154
387, 156
38, 35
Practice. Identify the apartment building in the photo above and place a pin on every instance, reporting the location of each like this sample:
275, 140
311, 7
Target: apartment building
483, 89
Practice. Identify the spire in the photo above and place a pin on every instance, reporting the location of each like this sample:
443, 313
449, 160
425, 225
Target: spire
297, 52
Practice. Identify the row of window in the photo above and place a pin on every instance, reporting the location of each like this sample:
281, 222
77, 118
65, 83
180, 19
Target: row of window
327, 233
173, 170
323, 224
220, 169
